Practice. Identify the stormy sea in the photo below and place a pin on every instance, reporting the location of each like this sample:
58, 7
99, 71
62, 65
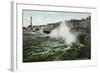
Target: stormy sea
57, 45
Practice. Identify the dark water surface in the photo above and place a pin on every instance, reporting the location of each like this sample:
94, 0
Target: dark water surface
39, 47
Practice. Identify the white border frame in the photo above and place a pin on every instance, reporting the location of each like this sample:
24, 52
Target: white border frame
16, 51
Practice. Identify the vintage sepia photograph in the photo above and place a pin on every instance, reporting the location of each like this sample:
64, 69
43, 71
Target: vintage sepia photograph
55, 36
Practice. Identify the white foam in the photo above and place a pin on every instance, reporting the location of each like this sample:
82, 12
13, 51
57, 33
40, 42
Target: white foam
63, 31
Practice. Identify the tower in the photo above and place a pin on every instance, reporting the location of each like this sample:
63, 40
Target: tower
31, 20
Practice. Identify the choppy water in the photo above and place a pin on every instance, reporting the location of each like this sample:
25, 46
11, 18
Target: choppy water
40, 47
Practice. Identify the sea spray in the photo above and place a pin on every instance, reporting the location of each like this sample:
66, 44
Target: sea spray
63, 31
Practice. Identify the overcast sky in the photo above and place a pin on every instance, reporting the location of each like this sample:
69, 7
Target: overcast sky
44, 17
